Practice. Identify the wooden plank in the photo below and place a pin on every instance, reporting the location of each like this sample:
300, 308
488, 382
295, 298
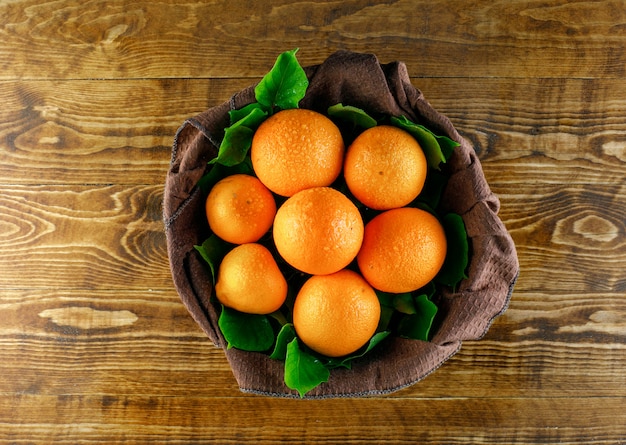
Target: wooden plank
97, 132
568, 238
96, 346
166, 366
112, 237
187, 419
103, 132
107, 236
541, 131
111, 39
62, 342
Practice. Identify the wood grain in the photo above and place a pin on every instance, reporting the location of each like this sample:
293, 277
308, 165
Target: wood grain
229, 420
112, 237
102, 132
95, 344
113, 39
86, 237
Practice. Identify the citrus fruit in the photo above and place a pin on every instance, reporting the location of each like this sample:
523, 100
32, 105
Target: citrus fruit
296, 149
318, 230
240, 209
250, 281
403, 249
336, 314
385, 168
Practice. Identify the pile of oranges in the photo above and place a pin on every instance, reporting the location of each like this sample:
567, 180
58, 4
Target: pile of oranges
318, 230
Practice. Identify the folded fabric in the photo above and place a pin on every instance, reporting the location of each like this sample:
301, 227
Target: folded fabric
359, 80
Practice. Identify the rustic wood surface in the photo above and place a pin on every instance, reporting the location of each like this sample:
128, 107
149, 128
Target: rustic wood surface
95, 345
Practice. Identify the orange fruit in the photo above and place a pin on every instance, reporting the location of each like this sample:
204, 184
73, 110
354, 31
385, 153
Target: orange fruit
318, 230
336, 314
240, 209
250, 281
403, 249
297, 149
385, 168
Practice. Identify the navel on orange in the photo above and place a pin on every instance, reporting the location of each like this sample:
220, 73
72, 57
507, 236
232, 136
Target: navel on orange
318, 230
403, 249
240, 209
385, 168
336, 314
250, 281
296, 149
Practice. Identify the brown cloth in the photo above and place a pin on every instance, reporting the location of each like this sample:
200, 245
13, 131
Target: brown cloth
361, 81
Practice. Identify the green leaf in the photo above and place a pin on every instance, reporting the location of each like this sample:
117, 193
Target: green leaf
417, 326
447, 146
284, 86
352, 115
213, 250
285, 336
374, 341
457, 255
252, 119
248, 332
404, 303
246, 112
303, 371
219, 172
235, 145
385, 298
346, 362
238, 138
426, 138
386, 309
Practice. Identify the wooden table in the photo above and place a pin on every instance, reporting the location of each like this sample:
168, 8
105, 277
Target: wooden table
95, 344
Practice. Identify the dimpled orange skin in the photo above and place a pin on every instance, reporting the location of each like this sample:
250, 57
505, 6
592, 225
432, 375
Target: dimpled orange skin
297, 149
318, 231
336, 314
250, 281
385, 168
240, 209
403, 250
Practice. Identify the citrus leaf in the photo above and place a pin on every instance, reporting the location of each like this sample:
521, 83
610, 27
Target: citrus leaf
284, 85
346, 362
303, 371
457, 255
248, 110
248, 332
385, 298
417, 326
285, 336
404, 303
386, 309
235, 145
352, 115
252, 118
219, 171
426, 138
238, 138
213, 250
447, 146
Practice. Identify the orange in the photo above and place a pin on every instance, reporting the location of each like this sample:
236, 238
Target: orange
403, 249
318, 230
385, 168
297, 149
240, 209
336, 314
250, 281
